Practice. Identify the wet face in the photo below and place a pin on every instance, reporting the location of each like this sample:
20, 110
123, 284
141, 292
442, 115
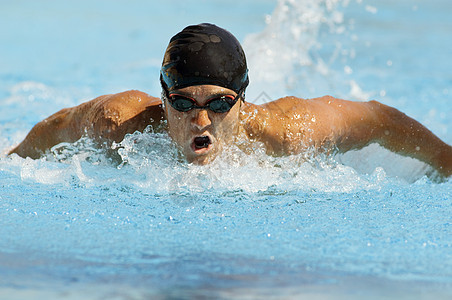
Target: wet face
201, 133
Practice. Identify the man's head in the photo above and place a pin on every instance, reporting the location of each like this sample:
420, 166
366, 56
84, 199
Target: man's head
203, 76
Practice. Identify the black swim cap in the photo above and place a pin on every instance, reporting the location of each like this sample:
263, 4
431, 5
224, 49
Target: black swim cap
204, 54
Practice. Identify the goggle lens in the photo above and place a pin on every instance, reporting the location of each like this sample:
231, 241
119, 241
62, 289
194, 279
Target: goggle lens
218, 105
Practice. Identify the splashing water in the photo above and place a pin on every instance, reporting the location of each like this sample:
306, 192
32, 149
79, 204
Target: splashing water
247, 225
293, 52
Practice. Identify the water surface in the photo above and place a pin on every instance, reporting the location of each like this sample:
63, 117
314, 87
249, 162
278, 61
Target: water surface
370, 224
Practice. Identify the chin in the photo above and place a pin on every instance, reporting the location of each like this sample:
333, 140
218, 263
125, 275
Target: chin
201, 159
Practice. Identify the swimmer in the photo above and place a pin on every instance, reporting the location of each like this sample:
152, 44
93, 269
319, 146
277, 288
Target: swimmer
204, 76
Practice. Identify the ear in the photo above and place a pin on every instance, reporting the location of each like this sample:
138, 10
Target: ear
164, 104
242, 100
242, 96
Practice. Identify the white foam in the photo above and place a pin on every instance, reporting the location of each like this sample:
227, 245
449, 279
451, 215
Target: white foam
159, 168
151, 162
286, 59
374, 157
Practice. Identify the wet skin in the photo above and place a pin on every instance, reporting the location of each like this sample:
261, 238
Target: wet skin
285, 126
202, 133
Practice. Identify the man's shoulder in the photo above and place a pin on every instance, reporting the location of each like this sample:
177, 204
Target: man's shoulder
279, 105
129, 99
287, 109
116, 109
123, 105
112, 116
289, 103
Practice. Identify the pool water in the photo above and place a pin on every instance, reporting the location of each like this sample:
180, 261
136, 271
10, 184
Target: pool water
365, 224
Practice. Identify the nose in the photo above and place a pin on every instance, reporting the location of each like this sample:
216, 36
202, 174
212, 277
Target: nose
201, 119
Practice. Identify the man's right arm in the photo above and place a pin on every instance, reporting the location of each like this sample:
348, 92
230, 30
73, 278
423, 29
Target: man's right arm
105, 119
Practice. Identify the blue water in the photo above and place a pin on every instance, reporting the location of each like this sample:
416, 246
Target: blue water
365, 224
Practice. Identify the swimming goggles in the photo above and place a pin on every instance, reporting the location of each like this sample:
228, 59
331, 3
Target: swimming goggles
219, 104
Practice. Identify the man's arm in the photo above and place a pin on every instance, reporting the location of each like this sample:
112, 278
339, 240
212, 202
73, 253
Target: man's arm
291, 125
398, 133
105, 119
372, 122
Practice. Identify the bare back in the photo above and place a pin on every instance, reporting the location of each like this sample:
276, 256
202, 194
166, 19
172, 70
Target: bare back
286, 126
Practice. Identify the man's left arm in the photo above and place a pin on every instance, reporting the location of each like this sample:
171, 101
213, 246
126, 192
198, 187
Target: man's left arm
368, 122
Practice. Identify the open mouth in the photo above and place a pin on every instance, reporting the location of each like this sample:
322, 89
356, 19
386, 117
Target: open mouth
201, 142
